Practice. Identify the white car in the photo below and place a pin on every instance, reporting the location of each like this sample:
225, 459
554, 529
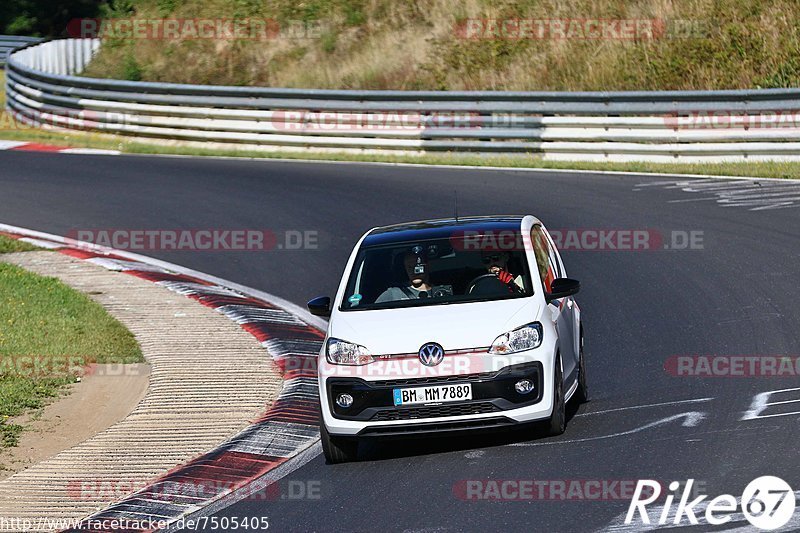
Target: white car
447, 326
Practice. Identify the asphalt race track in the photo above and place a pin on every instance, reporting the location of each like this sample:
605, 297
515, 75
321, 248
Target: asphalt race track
736, 294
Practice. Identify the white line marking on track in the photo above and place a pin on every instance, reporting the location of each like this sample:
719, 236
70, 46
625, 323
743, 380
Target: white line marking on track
754, 194
688, 200
8, 145
690, 419
90, 151
760, 404
679, 402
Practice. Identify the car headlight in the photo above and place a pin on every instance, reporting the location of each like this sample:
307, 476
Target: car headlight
523, 338
341, 352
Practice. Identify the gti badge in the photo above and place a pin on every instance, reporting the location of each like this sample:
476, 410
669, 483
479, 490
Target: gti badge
431, 354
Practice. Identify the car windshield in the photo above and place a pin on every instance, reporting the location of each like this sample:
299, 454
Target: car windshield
437, 271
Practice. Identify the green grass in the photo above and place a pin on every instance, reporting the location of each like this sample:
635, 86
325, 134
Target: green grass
8, 245
48, 331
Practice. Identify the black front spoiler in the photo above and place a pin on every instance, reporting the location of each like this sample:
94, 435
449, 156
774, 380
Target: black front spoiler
478, 425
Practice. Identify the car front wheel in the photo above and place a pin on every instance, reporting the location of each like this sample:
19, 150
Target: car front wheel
337, 449
582, 394
558, 420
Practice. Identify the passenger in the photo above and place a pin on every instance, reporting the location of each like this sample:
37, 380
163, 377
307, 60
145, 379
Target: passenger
416, 266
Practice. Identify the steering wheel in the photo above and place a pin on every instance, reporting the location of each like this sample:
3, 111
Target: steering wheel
485, 282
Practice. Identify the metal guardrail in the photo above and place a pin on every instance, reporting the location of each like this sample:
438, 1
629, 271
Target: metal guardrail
43, 89
10, 42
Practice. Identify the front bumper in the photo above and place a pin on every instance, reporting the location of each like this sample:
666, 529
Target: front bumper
495, 403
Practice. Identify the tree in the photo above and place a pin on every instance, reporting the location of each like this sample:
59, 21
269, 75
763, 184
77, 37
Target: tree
44, 18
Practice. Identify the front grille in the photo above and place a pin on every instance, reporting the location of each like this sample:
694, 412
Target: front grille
435, 411
465, 378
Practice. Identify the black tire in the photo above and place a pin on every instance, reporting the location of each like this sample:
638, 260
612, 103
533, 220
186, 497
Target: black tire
582, 394
557, 423
337, 449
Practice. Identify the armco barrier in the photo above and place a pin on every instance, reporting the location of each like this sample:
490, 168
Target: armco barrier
665, 126
10, 42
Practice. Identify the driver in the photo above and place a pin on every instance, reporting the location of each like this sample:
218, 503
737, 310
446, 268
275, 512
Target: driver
497, 264
418, 272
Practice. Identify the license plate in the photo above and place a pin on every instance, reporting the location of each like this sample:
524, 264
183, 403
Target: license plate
435, 394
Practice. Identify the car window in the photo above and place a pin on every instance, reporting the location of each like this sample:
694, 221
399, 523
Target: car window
438, 271
546, 259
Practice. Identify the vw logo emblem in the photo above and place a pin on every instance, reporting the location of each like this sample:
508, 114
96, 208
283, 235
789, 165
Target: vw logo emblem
431, 354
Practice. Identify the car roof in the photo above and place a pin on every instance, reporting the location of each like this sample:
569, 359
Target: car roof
442, 228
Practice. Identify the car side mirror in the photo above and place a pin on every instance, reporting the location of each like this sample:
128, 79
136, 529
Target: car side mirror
320, 306
563, 287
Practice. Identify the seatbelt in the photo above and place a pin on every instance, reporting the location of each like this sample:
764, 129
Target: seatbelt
407, 292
